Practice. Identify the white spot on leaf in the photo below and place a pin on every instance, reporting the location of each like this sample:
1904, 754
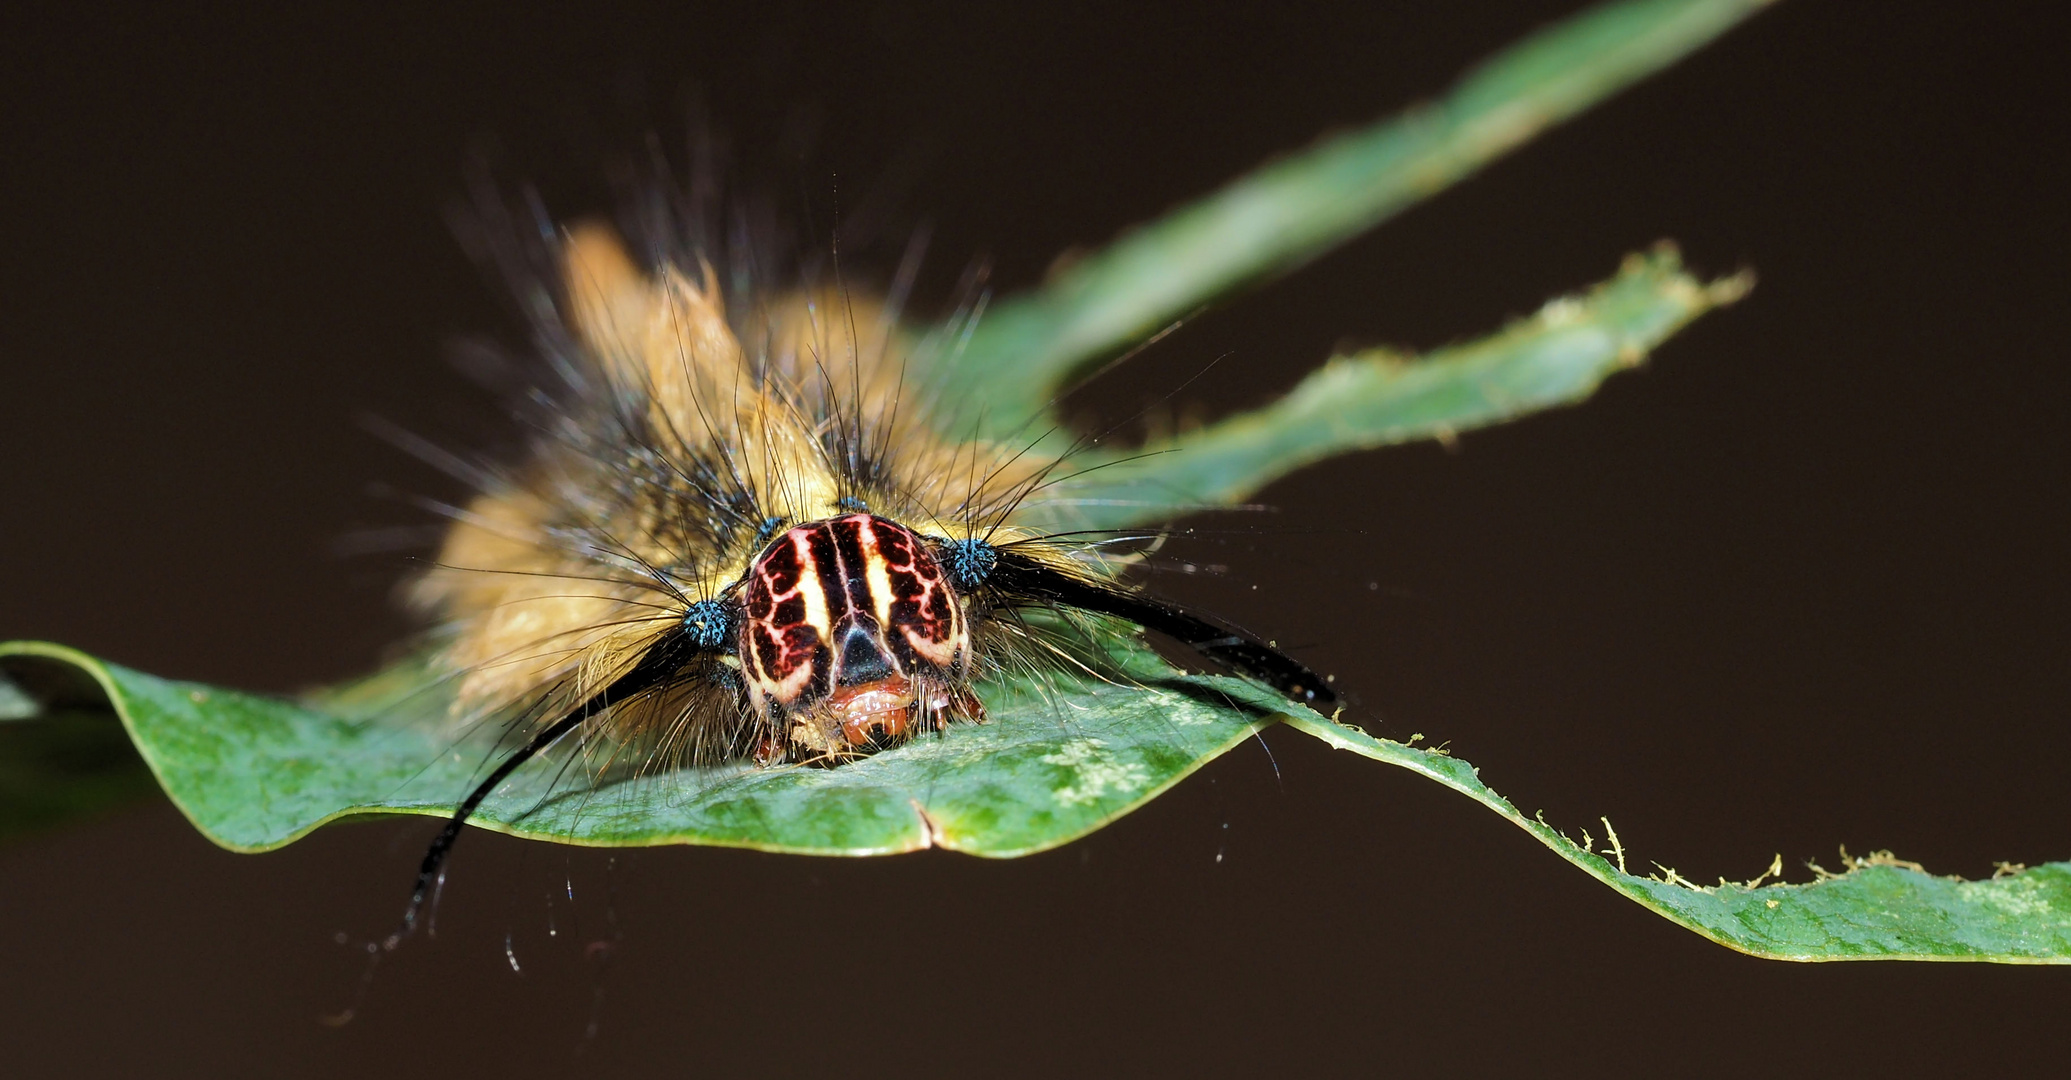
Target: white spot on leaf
1177, 711
1097, 772
2013, 896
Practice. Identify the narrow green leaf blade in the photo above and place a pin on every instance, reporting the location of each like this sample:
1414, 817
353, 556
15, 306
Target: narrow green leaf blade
1558, 356
1877, 911
1290, 211
1061, 759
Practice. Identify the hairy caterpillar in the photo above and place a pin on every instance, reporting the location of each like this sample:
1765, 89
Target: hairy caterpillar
742, 534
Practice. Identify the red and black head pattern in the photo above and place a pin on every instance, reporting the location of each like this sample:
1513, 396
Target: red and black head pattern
851, 617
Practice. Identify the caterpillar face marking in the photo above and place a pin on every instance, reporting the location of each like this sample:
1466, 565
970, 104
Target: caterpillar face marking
744, 537
851, 629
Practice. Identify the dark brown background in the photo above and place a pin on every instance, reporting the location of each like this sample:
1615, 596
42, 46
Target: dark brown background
1801, 582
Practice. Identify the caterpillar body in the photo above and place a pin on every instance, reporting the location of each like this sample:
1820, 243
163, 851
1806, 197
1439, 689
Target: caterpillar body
743, 535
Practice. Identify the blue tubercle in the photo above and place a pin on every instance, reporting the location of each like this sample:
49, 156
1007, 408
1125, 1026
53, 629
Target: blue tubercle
709, 623
969, 562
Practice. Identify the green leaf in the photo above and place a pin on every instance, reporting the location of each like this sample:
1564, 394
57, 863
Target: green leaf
1058, 762
1061, 759
1881, 909
1293, 210
1375, 398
